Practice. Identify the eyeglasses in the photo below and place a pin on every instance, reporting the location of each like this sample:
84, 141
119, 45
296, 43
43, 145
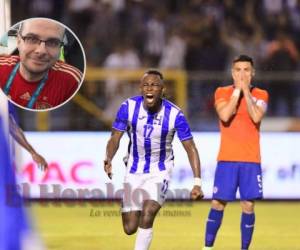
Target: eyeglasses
51, 43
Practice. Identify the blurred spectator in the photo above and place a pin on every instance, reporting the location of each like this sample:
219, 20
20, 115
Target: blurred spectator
41, 8
294, 16
93, 52
156, 34
206, 54
282, 55
213, 9
233, 9
131, 22
116, 5
243, 40
123, 57
273, 7
81, 14
103, 31
174, 51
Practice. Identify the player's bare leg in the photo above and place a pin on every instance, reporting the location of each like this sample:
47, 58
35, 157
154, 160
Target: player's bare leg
214, 221
144, 234
247, 207
218, 205
131, 221
150, 210
247, 223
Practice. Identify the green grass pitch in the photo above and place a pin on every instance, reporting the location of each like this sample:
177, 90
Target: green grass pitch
180, 225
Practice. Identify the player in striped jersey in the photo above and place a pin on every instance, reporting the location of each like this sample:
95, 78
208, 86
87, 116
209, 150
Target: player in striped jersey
36, 79
151, 123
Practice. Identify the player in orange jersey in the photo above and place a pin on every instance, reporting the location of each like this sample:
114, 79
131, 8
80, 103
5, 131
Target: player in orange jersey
240, 108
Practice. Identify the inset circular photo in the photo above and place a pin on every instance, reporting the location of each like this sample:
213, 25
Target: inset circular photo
42, 64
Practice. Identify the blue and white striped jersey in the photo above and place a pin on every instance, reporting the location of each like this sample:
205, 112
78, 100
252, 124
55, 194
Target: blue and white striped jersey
151, 134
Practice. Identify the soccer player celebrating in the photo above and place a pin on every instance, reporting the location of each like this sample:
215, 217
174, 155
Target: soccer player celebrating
151, 122
240, 108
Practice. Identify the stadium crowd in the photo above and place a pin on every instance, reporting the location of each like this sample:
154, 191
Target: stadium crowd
192, 35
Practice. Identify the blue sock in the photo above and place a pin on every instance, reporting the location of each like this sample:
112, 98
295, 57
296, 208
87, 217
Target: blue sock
247, 227
212, 226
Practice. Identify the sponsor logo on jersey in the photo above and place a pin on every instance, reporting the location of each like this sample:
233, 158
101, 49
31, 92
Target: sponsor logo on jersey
26, 96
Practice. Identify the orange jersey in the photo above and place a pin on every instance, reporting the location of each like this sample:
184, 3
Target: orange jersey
240, 136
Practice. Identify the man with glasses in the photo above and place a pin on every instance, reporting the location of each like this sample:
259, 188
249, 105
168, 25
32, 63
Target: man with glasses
36, 78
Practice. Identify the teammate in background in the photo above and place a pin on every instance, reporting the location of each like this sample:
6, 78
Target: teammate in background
240, 108
18, 134
151, 122
37, 79
14, 224
16, 231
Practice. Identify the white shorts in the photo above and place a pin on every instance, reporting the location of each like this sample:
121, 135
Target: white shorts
141, 187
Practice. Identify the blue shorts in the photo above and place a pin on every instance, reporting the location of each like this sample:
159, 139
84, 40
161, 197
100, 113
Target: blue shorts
232, 175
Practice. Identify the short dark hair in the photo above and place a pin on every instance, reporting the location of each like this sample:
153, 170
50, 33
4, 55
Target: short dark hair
21, 27
155, 72
244, 58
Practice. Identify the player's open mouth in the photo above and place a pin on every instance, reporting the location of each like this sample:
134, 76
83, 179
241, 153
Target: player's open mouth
150, 98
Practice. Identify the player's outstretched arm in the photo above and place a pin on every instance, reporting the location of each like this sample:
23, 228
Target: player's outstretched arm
111, 149
18, 134
193, 155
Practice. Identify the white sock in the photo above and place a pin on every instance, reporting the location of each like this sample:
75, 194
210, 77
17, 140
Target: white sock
143, 239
